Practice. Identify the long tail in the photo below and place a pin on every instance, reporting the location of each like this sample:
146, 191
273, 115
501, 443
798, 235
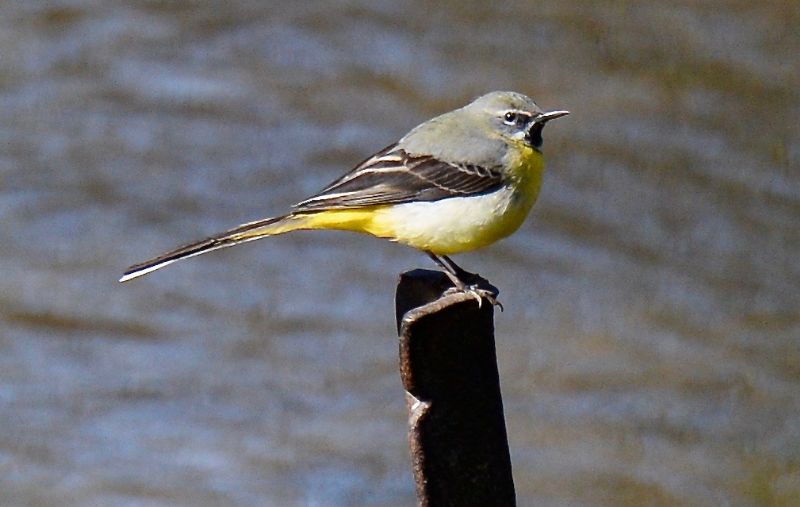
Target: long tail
241, 234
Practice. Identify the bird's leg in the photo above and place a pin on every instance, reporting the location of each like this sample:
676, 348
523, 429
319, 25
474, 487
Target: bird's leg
460, 272
464, 281
451, 273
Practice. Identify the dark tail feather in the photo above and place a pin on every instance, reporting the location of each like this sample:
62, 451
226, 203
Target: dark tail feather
241, 234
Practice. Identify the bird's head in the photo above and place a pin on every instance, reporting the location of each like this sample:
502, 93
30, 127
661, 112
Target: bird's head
514, 116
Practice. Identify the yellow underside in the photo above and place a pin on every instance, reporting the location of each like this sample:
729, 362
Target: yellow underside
444, 227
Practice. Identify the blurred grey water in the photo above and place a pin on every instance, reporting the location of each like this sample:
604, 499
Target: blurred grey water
650, 348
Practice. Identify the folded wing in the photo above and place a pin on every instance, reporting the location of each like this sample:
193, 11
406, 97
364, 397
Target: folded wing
393, 176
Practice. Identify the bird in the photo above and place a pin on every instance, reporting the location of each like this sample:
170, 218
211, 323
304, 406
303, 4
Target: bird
455, 183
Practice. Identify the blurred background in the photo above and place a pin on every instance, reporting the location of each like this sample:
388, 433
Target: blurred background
650, 348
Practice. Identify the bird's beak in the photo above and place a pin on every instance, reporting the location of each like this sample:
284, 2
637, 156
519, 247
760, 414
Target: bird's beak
552, 115
534, 135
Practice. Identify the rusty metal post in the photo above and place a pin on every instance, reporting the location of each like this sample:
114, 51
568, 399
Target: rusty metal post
448, 366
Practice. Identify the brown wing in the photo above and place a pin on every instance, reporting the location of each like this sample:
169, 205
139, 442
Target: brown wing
392, 176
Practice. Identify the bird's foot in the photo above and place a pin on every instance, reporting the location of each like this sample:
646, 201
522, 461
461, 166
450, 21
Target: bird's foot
469, 283
478, 293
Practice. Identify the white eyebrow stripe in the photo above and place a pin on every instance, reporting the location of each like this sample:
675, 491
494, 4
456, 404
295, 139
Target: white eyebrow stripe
520, 112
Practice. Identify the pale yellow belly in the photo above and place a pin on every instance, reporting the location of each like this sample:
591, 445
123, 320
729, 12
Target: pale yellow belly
453, 225
447, 226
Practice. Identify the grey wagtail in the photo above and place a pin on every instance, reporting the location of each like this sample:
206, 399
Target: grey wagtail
457, 182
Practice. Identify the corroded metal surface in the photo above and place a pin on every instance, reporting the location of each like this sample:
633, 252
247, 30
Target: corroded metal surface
448, 365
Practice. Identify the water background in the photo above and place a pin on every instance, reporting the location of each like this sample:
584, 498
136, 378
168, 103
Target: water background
650, 348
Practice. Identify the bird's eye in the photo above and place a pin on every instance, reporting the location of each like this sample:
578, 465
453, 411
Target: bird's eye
510, 118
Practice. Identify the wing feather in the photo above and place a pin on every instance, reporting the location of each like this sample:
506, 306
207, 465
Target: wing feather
393, 176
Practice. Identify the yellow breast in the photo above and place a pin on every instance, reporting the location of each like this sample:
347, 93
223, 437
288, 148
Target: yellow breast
461, 224
453, 225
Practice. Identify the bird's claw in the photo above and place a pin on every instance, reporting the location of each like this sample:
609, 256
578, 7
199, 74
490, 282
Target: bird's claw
479, 295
